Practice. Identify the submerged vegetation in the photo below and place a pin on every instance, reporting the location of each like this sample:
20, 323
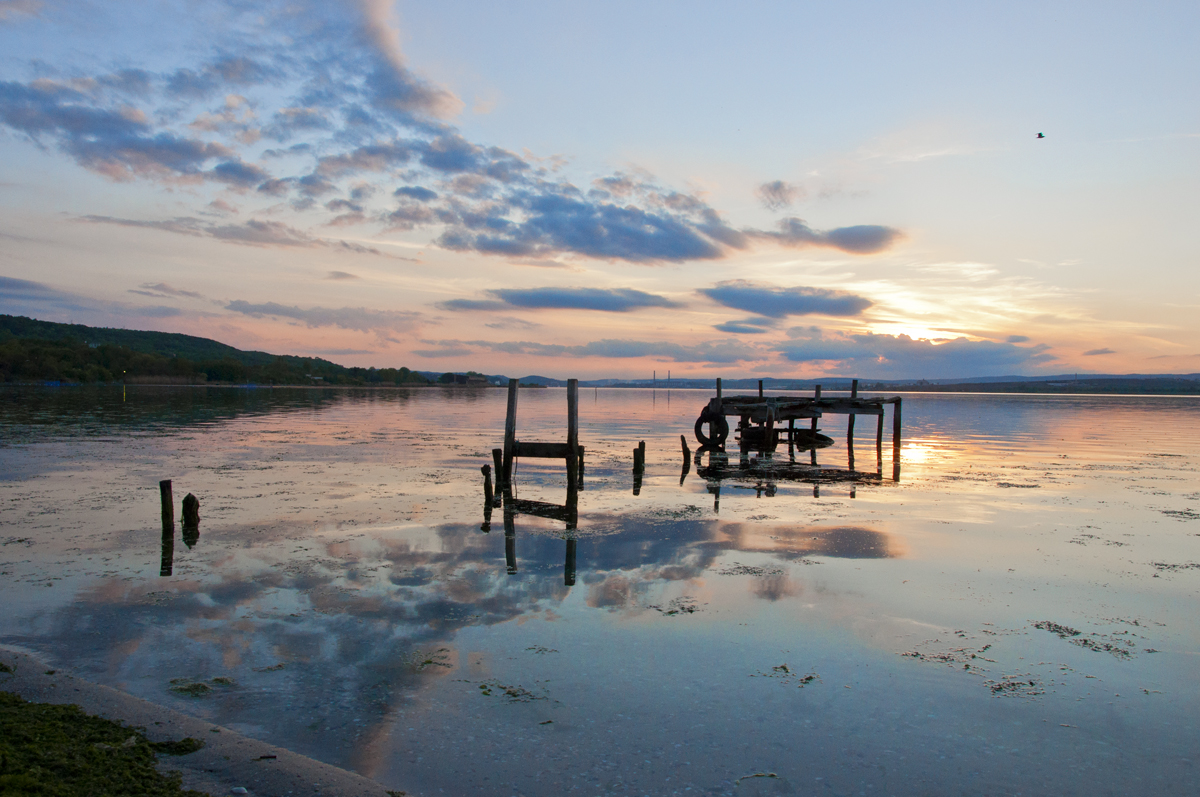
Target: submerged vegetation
59, 751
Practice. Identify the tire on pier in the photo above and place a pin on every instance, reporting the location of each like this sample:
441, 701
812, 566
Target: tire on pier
718, 429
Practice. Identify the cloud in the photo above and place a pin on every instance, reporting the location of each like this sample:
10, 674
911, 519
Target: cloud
252, 232
118, 143
706, 352
1017, 339
11, 9
777, 195
508, 322
394, 87
369, 126
416, 192
341, 275
899, 356
862, 239
163, 289
1094, 352
472, 305
774, 302
611, 300
747, 326
356, 318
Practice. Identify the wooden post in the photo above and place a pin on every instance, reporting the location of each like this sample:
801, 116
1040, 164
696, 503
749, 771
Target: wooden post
639, 457
168, 504
879, 442
853, 388
487, 484
510, 430
581, 452
498, 463
816, 397
896, 440
760, 393
572, 431
718, 388
850, 423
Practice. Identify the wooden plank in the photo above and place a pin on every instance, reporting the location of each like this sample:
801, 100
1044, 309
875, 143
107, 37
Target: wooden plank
541, 450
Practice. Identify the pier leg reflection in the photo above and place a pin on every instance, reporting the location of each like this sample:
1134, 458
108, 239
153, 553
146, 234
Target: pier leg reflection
167, 562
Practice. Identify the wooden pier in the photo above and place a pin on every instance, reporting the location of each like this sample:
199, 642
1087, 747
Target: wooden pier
514, 449
760, 420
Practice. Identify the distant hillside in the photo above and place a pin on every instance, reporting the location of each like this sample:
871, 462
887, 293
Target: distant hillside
40, 351
168, 344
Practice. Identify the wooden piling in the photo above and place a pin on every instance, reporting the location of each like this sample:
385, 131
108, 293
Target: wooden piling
896, 440
718, 388
510, 430
487, 484
816, 397
191, 511
168, 504
639, 457
850, 423
498, 464
572, 431
760, 390
167, 560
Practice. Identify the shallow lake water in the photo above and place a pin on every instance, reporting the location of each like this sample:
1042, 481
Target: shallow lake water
1016, 615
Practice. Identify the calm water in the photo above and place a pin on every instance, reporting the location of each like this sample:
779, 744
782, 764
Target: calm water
1016, 615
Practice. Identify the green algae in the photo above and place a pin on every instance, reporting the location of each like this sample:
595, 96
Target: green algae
59, 751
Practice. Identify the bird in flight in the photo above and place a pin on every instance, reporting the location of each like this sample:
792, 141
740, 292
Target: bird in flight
1041, 135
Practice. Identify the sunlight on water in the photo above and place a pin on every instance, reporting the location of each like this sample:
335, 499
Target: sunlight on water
1015, 614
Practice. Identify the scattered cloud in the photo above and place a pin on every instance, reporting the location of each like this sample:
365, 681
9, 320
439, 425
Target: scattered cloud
747, 326
1094, 352
472, 305
777, 195
341, 275
356, 318
899, 356
861, 239
163, 289
1017, 339
508, 322
374, 148
766, 300
611, 300
252, 232
722, 351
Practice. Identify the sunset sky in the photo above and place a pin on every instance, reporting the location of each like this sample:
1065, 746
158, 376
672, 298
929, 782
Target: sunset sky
603, 190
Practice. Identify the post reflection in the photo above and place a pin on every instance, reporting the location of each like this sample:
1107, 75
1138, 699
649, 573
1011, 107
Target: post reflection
567, 512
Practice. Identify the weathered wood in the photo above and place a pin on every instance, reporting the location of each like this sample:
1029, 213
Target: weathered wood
168, 504
572, 430
542, 450
510, 429
760, 390
487, 484
853, 388
718, 388
191, 511
896, 441
816, 397
639, 457
498, 464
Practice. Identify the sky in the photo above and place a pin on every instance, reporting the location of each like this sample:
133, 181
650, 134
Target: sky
613, 189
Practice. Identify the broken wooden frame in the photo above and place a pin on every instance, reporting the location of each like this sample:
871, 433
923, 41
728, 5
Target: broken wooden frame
759, 415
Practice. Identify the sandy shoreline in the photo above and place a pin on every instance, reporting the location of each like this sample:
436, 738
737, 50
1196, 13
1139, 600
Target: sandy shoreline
227, 760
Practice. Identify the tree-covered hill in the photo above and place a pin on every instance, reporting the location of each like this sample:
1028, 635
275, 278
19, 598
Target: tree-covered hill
38, 351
